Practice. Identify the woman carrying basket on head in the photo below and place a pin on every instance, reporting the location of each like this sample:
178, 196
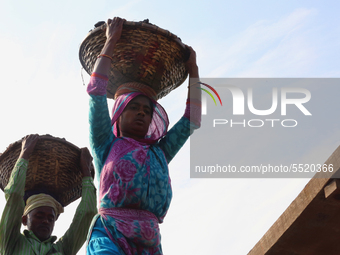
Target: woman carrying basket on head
131, 154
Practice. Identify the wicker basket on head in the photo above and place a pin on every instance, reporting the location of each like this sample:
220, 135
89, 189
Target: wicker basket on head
145, 53
53, 168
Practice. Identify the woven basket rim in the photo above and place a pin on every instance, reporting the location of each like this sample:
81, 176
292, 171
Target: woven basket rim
130, 24
45, 137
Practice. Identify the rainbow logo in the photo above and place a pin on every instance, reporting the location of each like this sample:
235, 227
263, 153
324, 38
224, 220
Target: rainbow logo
218, 96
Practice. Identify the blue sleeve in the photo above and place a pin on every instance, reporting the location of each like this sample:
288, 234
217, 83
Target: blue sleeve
101, 135
175, 138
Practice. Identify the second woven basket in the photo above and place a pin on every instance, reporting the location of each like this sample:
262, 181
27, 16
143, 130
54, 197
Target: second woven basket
54, 168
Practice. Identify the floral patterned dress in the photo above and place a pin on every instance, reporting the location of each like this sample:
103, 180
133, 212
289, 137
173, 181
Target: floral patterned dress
135, 187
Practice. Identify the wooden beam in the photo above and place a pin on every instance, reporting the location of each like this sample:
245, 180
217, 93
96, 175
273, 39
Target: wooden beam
311, 223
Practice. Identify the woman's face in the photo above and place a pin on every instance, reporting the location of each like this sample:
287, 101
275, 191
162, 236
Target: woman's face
135, 119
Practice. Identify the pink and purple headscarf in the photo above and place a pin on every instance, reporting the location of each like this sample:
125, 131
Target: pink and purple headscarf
128, 91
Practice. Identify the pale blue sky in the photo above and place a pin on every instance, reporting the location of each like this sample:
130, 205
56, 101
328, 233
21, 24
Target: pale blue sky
43, 93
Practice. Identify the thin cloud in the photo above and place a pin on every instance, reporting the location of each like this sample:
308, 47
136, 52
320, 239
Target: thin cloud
266, 44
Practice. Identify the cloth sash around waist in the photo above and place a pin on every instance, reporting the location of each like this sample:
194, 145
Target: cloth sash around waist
139, 226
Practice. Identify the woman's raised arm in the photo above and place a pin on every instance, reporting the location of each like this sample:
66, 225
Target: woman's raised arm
113, 32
